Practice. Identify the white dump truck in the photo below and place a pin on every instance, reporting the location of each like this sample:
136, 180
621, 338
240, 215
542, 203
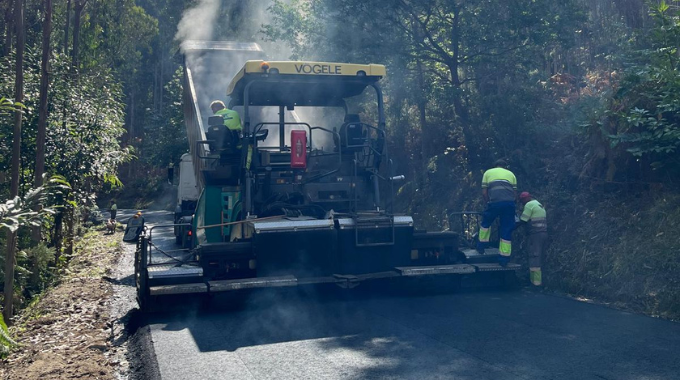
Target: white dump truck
187, 195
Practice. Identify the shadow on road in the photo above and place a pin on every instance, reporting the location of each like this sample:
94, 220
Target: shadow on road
405, 329
381, 332
269, 316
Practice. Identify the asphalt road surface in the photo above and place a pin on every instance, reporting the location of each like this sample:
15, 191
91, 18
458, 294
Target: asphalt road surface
374, 334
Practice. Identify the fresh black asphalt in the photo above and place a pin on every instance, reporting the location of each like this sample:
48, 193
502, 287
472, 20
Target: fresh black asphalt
377, 334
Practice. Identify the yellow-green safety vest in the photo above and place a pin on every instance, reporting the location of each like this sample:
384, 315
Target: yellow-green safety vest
535, 215
501, 185
232, 120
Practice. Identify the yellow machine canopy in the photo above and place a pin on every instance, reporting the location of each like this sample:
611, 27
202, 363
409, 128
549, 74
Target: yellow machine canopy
296, 83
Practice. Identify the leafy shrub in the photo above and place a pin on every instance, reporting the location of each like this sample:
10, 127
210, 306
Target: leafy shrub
6, 342
34, 266
640, 128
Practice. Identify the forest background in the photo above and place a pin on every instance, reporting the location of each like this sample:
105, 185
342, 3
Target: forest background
581, 97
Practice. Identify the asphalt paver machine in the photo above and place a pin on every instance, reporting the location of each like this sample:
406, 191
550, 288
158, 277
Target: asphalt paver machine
301, 195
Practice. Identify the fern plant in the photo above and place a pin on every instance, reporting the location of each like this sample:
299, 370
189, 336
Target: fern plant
19, 211
6, 342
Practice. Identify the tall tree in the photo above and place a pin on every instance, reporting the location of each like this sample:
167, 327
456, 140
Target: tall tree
8, 311
77, 18
78, 8
42, 119
9, 26
67, 26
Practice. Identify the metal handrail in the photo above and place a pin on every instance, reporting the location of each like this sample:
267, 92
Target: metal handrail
466, 224
339, 153
148, 234
259, 126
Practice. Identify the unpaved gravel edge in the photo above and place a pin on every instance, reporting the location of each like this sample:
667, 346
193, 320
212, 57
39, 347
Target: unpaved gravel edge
70, 331
88, 325
136, 345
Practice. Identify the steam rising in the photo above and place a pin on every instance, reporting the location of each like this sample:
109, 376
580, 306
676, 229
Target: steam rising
198, 23
212, 73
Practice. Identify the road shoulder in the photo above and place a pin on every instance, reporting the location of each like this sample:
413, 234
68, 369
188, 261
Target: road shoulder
71, 330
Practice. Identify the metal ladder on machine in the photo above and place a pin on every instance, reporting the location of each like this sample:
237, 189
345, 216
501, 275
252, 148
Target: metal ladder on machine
378, 222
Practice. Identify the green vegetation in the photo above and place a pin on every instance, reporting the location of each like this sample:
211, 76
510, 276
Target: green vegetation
580, 96
6, 342
643, 116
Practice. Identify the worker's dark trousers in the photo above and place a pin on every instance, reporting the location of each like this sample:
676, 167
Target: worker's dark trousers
506, 212
537, 243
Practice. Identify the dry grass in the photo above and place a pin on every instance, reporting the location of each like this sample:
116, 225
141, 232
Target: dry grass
626, 252
613, 243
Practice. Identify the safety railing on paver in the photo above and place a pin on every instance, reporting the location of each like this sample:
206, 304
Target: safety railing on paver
467, 222
147, 251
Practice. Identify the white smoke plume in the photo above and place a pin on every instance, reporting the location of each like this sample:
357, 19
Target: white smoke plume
212, 76
197, 23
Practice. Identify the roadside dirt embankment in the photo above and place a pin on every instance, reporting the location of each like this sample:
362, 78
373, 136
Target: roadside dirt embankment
72, 331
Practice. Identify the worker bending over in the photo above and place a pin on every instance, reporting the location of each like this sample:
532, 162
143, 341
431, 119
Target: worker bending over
499, 189
533, 215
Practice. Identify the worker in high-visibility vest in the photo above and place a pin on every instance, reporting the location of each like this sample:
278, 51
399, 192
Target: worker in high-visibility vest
113, 209
232, 120
534, 216
499, 189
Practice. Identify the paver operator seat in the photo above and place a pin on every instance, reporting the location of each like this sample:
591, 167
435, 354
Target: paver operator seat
222, 139
352, 134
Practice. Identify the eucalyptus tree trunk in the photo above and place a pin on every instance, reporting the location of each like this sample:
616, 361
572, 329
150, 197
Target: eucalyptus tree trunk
160, 85
42, 118
78, 13
57, 235
8, 311
453, 65
132, 132
67, 25
9, 26
70, 230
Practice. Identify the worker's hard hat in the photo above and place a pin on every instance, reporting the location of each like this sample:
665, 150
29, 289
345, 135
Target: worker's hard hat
138, 213
525, 196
